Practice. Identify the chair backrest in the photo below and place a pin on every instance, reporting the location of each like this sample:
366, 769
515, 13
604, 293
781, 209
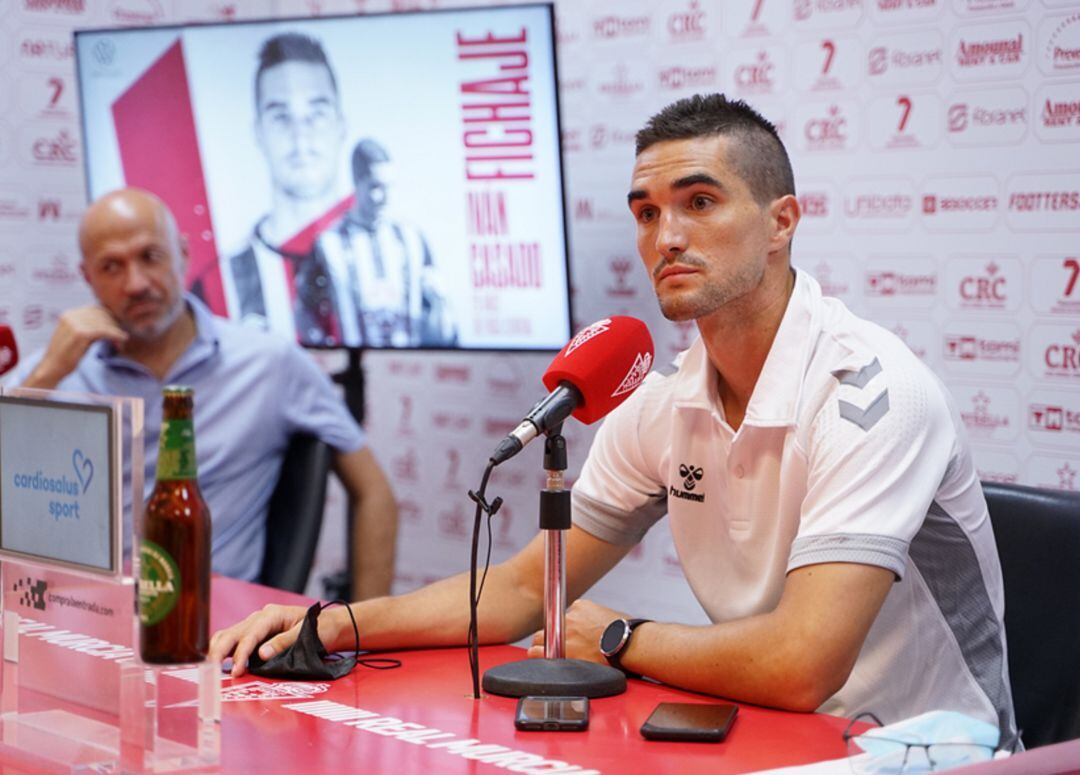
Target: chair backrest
1038, 540
295, 514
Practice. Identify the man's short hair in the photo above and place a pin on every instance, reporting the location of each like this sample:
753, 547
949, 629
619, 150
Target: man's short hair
290, 47
366, 153
760, 158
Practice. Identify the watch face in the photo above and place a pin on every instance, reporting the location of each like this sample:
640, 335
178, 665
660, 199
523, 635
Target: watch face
612, 639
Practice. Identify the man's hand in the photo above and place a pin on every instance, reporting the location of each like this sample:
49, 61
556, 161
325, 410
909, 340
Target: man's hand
585, 623
242, 638
75, 332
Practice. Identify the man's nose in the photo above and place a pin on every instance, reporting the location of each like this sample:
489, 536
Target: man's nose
670, 235
135, 281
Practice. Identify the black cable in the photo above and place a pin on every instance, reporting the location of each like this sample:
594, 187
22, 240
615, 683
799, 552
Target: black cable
482, 507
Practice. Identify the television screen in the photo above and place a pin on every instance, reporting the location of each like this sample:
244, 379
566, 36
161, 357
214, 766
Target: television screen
382, 181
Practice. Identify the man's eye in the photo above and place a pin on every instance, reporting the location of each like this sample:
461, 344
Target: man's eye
700, 202
646, 214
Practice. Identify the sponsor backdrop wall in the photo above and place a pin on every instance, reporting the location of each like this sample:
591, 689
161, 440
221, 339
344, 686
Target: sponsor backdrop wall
937, 153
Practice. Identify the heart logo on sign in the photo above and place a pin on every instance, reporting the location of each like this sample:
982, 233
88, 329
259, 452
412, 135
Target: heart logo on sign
84, 468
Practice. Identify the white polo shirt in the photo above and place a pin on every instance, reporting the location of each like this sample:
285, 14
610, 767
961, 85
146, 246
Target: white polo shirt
850, 451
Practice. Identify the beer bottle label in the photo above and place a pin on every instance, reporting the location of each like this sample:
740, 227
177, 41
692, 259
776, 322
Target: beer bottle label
176, 452
159, 583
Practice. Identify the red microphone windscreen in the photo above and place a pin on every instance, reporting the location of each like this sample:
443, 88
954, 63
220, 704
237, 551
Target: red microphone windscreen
606, 362
9, 352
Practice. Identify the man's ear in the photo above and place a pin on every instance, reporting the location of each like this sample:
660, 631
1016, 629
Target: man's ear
785, 213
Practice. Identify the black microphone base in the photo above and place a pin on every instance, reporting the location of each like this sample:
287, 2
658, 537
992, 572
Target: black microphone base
554, 678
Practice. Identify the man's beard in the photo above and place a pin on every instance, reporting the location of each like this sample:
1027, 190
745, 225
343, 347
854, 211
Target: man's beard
711, 296
154, 330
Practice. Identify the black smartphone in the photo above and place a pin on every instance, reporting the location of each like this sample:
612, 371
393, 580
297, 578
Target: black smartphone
694, 721
553, 714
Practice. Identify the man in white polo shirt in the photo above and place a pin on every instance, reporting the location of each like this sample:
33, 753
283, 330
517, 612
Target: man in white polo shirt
817, 484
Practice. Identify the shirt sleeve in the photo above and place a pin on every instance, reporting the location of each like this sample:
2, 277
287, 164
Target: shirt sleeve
618, 496
313, 404
877, 454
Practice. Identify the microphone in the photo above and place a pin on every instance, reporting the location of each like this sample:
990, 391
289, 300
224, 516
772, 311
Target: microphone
597, 370
9, 351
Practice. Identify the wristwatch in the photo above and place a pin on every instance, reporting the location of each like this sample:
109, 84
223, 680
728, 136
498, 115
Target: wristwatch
616, 638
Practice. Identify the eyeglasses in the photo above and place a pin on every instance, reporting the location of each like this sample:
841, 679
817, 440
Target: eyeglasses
893, 755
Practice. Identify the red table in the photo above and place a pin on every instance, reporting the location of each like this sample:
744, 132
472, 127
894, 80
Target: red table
432, 689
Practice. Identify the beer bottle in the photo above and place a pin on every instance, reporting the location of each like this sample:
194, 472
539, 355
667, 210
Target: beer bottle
174, 573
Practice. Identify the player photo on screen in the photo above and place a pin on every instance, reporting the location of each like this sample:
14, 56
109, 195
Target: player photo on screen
386, 181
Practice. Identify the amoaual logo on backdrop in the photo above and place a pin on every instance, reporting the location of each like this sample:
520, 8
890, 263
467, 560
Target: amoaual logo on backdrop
990, 52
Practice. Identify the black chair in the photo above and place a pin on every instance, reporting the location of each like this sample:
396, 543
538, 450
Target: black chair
295, 514
1038, 540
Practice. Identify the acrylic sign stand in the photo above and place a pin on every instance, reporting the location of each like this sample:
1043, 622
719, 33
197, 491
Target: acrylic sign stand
75, 697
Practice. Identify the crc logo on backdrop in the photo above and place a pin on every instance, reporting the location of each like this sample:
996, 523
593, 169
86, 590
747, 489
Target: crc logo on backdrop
830, 129
57, 272
990, 51
679, 77
39, 45
988, 117
620, 267
1057, 112
983, 420
686, 24
909, 58
982, 285
1055, 285
624, 82
621, 27
53, 150
1059, 45
31, 592
756, 71
137, 11
1059, 349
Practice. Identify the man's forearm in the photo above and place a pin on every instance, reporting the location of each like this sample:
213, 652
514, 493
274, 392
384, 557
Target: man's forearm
375, 521
749, 660
438, 614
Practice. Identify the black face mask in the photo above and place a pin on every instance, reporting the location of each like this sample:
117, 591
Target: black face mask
307, 659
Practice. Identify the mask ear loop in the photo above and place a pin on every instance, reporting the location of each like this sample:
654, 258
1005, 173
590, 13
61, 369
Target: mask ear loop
374, 663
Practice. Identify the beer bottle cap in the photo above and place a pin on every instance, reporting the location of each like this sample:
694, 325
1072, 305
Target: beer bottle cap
177, 390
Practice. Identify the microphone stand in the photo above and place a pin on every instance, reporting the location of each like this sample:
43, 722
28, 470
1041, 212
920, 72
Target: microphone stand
554, 675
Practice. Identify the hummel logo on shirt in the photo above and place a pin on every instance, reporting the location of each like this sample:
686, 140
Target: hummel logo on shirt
691, 475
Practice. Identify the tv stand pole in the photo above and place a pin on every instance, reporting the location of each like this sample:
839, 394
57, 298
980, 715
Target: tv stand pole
338, 586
